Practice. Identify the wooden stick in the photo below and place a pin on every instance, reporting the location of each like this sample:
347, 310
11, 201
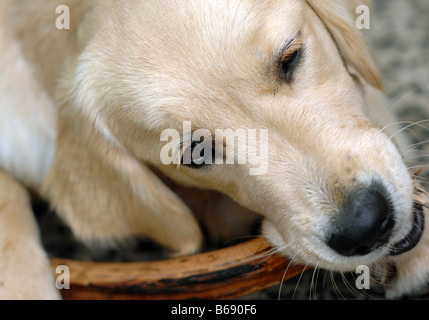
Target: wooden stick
222, 274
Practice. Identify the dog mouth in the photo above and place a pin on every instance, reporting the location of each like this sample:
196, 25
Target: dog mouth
414, 236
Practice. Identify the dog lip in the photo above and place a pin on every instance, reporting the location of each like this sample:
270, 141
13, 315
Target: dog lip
414, 236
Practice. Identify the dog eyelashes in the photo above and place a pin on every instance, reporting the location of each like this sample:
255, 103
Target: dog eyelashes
289, 63
197, 155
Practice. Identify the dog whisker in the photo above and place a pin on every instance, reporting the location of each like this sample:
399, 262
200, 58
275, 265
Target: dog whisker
324, 278
406, 125
390, 110
377, 272
335, 286
412, 124
398, 123
313, 283
416, 145
345, 282
299, 280
413, 151
416, 159
266, 255
283, 278
418, 167
422, 181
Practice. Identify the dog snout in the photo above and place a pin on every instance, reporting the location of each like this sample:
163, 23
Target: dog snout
365, 223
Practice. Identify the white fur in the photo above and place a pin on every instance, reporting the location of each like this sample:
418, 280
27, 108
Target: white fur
27, 121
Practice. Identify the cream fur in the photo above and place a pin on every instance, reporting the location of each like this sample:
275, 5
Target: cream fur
103, 91
25, 269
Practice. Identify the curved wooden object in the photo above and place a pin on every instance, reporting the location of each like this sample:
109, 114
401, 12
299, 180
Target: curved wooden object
221, 274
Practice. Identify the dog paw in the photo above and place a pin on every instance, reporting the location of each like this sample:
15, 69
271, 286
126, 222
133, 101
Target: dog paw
406, 278
187, 246
408, 273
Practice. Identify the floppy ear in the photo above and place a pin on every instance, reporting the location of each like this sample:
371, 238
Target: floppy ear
103, 193
339, 17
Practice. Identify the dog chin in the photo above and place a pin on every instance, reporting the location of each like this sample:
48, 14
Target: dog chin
320, 255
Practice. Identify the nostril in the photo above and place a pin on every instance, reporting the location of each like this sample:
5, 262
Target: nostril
386, 225
364, 224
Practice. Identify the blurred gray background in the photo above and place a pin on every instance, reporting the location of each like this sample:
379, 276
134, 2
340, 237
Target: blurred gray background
399, 37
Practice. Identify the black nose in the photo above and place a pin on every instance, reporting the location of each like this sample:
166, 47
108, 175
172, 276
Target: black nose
365, 223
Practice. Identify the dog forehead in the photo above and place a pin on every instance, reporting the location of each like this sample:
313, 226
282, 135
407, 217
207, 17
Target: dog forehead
196, 44
199, 54
205, 14
207, 29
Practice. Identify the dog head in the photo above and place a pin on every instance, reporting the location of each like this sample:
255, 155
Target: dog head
287, 77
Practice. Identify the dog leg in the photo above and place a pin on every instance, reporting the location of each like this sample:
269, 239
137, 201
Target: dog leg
25, 272
408, 274
105, 194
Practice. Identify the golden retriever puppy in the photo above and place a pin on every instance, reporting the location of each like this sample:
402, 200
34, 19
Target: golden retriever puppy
90, 108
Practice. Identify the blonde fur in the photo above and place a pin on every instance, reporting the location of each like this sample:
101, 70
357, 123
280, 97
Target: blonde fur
104, 91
